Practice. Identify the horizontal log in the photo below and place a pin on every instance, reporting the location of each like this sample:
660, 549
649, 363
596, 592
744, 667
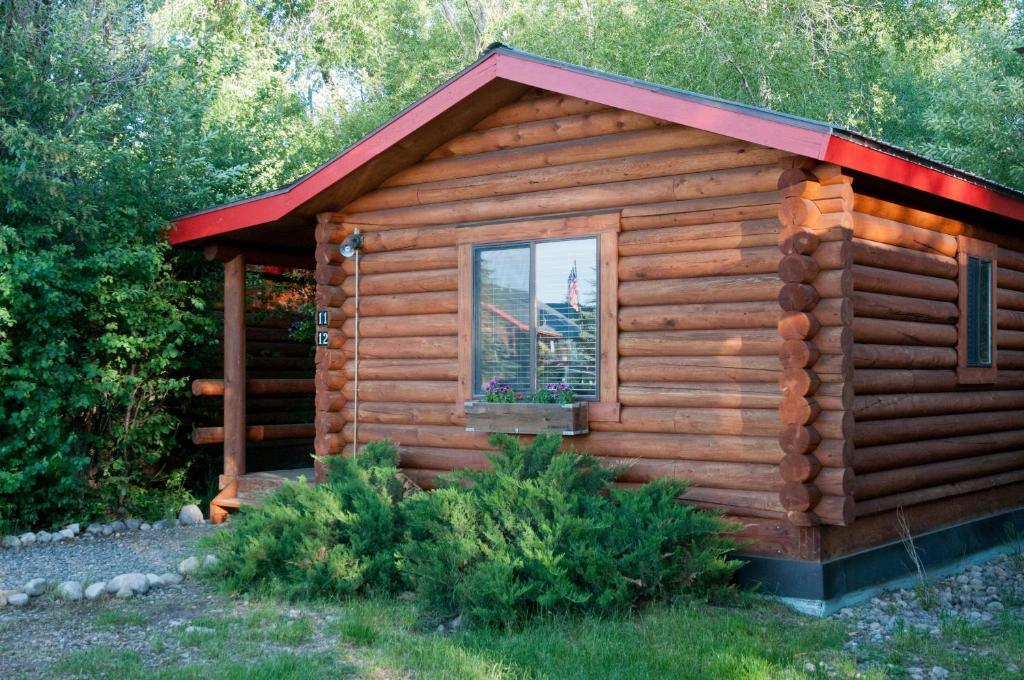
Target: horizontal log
554, 154
1010, 279
408, 325
592, 197
676, 214
403, 303
1011, 258
440, 347
875, 280
420, 391
1007, 339
901, 213
895, 381
699, 290
888, 332
902, 308
1009, 299
403, 369
880, 407
398, 413
908, 260
876, 506
726, 421
254, 433
699, 264
506, 183
421, 259
882, 230
748, 342
902, 357
877, 484
908, 454
878, 432
1009, 320
699, 316
215, 388
836, 510
404, 282
714, 236
719, 475
544, 131
1009, 359
712, 395
538, 108
700, 369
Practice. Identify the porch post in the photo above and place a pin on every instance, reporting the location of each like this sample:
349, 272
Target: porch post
234, 367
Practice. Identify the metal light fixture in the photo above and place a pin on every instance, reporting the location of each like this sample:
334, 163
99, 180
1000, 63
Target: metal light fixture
352, 244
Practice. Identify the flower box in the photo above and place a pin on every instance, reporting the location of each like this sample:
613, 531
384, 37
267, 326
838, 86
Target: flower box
527, 418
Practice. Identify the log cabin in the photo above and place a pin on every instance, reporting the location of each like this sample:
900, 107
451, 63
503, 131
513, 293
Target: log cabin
822, 332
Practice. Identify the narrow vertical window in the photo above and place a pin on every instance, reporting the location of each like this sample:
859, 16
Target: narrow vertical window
536, 315
979, 312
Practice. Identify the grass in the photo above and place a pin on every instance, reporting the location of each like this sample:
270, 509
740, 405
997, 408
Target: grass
383, 638
120, 618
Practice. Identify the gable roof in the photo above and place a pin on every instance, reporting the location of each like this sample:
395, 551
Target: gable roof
501, 75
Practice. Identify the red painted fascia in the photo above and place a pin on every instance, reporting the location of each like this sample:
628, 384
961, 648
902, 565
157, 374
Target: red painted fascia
907, 173
748, 127
276, 206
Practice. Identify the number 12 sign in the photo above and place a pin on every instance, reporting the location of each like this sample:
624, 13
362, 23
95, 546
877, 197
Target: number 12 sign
321, 338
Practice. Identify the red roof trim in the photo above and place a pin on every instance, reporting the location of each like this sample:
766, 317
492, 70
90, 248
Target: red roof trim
269, 208
814, 141
880, 164
634, 97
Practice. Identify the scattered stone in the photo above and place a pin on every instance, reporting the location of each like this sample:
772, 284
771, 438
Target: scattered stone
95, 591
35, 587
106, 530
456, 623
28, 538
160, 524
12, 542
189, 565
135, 581
209, 561
3, 599
200, 629
44, 537
154, 581
132, 523
73, 528
118, 526
171, 579
124, 593
94, 529
70, 590
17, 599
407, 596
938, 672
145, 526
190, 515
995, 606
66, 534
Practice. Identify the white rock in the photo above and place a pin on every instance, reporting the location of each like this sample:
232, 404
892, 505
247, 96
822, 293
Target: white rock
118, 525
132, 523
11, 542
190, 515
17, 599
135, 581
43, 537
209, 561
35, 587
70, 590
124, 593
160, 524
74, 529
200, 629
171, 579
66, 534
94, 529
95, 591
145, 526
27, 538
938, 672
189, 565
106, 530
154, 581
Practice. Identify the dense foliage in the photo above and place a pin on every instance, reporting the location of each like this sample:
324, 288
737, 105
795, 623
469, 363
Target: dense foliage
541, 532
117, 114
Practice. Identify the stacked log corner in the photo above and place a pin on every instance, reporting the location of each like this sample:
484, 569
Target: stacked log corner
330, 358
815, 240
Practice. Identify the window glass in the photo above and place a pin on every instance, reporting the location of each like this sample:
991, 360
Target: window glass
536, 315
979, 312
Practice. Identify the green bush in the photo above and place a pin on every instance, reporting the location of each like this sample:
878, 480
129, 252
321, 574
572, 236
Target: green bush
330, 540
543, 532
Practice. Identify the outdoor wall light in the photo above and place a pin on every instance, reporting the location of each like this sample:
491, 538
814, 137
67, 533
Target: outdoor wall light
352, 244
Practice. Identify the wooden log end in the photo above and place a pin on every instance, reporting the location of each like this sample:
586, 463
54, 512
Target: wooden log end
798, 211
799, 496
798, 297
798, 354
799, 468
798, 242
836, 510
798, 326
799, 439
793, 176
802, 519
797, 269
796, 410
800, 382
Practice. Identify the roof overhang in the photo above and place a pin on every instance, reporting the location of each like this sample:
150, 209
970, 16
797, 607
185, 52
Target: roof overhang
501, 75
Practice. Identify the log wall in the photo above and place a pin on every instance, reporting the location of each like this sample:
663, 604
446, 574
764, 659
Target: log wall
698, 261
924, 438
